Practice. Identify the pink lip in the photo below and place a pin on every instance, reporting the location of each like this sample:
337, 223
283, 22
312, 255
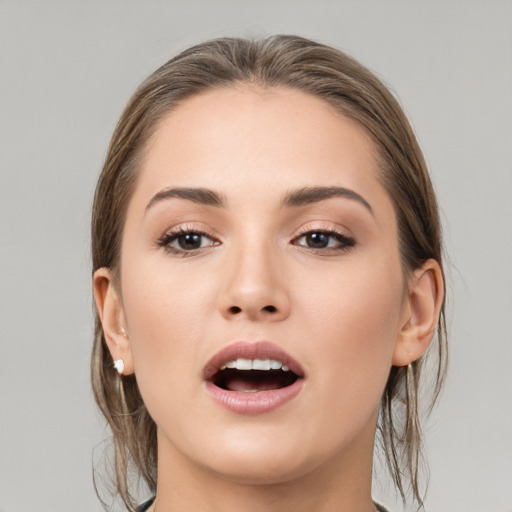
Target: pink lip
261, 401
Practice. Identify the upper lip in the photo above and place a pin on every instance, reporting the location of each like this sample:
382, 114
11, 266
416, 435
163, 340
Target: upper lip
250, 350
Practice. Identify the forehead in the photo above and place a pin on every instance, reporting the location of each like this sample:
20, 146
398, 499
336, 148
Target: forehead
246, 138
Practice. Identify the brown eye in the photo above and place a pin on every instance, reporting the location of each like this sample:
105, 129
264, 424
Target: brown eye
317, 240
190, 241
324, 240
184, 241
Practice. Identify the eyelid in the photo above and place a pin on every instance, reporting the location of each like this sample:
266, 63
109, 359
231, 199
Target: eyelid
346, 240
325, 227
175, 232
190, 227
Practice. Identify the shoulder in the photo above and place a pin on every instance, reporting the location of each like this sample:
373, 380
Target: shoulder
145, 505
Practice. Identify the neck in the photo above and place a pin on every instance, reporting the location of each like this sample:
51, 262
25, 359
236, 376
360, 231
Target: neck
342, 483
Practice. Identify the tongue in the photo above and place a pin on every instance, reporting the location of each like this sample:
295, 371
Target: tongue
238, 383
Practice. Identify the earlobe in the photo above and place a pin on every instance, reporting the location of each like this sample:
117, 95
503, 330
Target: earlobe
421, 313
111, 313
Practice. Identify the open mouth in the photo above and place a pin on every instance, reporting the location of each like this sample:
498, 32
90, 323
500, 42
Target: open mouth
252, 367
253, 378
253, 375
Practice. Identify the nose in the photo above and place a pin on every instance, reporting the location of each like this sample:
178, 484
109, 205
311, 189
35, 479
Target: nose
254, 286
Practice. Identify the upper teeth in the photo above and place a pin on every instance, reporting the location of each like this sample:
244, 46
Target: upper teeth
255, 364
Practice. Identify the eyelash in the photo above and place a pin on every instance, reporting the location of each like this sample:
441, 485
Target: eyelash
171, 236
343, 242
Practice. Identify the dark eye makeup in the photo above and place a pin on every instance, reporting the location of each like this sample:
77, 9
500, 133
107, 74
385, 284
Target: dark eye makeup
186, 241
324, 240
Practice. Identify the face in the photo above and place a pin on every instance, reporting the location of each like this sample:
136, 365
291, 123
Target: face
261, 286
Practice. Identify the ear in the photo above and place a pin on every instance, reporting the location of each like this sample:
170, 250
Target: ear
111, 313
422, 307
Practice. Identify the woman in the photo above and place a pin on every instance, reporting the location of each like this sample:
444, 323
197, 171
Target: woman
268, 277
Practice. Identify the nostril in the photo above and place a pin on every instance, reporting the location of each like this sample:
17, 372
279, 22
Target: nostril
235, 310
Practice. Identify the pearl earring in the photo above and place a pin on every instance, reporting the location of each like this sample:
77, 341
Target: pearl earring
119, 366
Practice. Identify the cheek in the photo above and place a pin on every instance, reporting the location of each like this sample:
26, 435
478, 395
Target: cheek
356, 315
166, 315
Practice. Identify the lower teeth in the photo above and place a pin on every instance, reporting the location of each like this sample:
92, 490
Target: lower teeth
253, 381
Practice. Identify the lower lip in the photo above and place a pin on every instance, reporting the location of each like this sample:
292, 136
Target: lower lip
258, 402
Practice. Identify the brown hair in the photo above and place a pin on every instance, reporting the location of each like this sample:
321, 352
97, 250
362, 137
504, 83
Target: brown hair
354, 91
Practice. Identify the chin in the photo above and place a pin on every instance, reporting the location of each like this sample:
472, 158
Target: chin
253, 462
264, 471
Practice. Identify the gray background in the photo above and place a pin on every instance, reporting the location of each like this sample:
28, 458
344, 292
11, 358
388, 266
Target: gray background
66, 70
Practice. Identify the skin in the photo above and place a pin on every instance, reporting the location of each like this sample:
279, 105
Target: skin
346, 313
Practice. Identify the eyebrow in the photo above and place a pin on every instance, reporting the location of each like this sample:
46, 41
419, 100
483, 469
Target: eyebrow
295, 198
203, 196
309, 195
